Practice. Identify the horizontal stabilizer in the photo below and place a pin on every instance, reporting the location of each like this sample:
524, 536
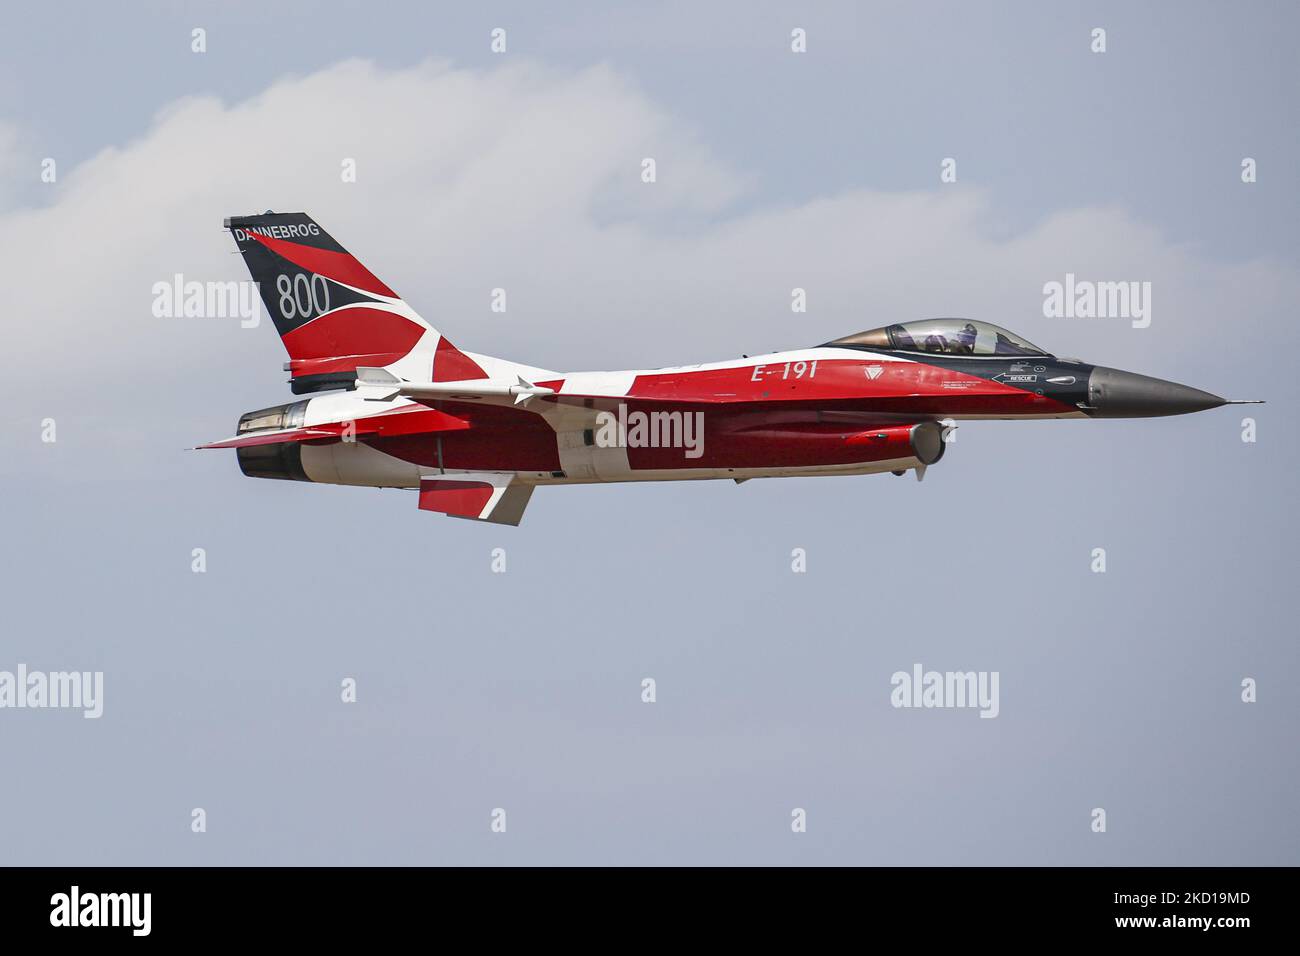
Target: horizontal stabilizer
408, 420
321, 434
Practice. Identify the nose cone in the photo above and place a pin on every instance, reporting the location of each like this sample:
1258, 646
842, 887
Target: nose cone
1116, 394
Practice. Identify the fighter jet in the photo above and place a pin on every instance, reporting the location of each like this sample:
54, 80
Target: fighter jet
393, 404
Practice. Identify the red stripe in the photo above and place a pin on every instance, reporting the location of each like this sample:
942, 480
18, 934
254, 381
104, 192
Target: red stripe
467, 499
339, 266
450, 364
298, 435
353, 336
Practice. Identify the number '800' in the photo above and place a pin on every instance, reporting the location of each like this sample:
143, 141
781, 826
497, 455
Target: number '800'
301, 295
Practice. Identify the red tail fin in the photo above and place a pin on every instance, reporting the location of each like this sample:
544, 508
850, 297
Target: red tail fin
333, 314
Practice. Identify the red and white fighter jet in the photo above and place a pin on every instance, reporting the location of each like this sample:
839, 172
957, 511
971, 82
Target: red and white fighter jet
395, 405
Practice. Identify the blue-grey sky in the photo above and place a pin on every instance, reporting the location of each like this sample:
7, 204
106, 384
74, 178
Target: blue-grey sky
478, 690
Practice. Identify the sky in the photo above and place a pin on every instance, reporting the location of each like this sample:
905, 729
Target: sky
522, 691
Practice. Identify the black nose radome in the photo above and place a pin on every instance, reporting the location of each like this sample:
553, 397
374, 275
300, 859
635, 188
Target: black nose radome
1116, 394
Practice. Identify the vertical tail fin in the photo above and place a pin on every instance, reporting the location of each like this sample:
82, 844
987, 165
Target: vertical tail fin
333, 314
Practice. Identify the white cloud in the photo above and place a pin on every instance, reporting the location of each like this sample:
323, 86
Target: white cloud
529, 178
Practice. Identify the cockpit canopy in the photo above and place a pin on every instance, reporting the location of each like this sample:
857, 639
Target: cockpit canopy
943, 337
